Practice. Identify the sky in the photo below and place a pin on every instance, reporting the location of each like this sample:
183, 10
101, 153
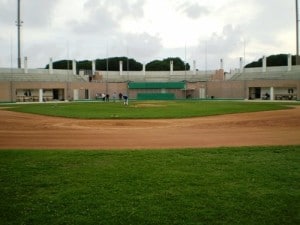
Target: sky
201, 30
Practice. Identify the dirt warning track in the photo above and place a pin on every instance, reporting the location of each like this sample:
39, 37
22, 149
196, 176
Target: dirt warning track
27, 131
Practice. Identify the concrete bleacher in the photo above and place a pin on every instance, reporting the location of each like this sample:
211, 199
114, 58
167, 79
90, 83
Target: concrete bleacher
152, 76
267, 76
271, 73
45, 75
38, 75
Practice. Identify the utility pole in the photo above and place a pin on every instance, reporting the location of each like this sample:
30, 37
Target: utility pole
19, 24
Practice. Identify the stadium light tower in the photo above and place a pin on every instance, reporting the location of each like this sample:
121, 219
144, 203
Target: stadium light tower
19, 24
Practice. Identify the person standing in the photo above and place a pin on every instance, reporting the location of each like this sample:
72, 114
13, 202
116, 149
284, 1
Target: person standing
103, 97
114, 96
125, 97
120, 96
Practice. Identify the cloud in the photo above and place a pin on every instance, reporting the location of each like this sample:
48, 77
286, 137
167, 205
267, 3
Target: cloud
105, 16
272, 20
227, 45
38, 14
8, 14
148, 29
99, 21
143, 45
193, 10
39, 53
131, 8
225, 42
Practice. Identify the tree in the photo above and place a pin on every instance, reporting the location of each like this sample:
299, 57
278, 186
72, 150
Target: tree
101, 64
164, 65
61, 65
84, 65
128, 64
273, 60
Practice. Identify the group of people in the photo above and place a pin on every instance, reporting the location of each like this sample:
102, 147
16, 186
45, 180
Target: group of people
105, 97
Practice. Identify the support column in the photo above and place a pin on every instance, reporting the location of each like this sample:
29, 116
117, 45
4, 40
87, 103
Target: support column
25, 64
76, 94
241, 65
194, 67
51, 66
289, 62
41, 95
144, 69
74, 66
264, 64
121, 67
93, 67
171, 67
221, 64
271, 93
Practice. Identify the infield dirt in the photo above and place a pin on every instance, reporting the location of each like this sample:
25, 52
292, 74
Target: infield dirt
27, 131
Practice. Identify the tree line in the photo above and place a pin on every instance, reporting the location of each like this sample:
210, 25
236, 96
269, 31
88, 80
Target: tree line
273, 60
129, 64
112, 64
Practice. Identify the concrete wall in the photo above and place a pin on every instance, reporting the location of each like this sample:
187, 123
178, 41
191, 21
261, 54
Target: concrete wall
218, 75
106, 88
226, 89
217, 89
6, 92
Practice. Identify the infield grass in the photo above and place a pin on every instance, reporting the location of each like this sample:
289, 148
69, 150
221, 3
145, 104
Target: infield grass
146, 109
249, 186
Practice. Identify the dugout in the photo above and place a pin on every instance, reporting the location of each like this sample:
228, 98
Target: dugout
39, 94
157, 90
273, 93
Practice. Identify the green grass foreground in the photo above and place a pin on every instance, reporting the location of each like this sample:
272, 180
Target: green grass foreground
256, 185
145, 109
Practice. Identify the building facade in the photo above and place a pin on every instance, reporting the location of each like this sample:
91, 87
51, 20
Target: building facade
42, 85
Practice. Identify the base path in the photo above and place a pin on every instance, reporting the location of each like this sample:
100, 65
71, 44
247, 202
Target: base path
27, 131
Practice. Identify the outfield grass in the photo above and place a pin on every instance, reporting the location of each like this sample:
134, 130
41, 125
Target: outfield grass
146, 109
256, 185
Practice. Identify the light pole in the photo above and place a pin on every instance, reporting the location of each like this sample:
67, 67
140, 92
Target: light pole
19, 24
185, 82
106, 82
205, 58
244, 52
11, 72
297, 30
127, 89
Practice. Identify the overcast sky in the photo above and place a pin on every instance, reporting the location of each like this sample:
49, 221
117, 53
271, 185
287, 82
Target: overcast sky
201, 30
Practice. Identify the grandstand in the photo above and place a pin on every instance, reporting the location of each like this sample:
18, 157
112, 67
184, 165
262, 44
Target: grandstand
276, 73
265, 83
38, 75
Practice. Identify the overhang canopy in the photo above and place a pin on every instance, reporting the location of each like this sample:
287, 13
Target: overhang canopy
156, 85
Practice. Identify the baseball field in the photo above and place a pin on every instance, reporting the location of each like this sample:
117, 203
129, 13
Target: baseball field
154, 162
